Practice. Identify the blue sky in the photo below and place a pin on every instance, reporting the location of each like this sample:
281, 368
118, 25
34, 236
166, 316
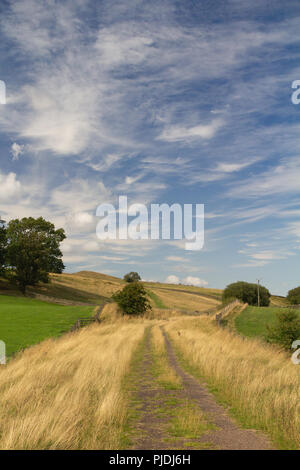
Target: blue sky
164, 101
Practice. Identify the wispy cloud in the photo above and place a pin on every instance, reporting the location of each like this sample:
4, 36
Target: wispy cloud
201, 131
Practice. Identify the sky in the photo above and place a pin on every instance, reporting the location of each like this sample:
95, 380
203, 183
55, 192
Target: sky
184, 102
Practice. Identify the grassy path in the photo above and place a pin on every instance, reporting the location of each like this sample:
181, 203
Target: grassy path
164, 417
174, 411
228, 435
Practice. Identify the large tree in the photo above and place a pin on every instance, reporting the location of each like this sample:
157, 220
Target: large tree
33, 250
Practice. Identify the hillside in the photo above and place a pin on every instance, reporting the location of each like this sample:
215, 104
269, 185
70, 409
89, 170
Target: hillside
94, 288
50, 309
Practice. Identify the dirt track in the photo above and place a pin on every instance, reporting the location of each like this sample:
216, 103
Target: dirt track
152, 428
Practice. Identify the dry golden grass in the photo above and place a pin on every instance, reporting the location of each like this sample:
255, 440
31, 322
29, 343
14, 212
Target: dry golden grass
67, 394
259, 381
184, 301
92, 282
178, 287
162, 314
277, 301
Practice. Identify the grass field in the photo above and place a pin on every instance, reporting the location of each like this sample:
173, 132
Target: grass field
253, 321
204, 291
184, 301
24, 321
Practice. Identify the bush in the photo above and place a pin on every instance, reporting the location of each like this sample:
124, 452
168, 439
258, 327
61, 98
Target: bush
132, 277
133, 299
247, 293
294, 296
286, 330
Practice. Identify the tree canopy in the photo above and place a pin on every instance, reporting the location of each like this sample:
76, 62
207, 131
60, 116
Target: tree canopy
132, 277
247, 292
33, 250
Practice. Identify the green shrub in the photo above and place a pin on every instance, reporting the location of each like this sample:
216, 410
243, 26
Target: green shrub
294, 296
286, 330
133, 299
247, 293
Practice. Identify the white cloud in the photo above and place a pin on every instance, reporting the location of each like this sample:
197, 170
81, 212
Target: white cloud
232, 167
194, 281
266, 255
16, 150
79, 194
80, 222
132, 179
251, 264
283, 178
172, 279
106, 162
176, 258
294, 228
10, 187
189, 281
202, 131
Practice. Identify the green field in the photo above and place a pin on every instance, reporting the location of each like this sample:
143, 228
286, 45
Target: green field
24, 322
253, 321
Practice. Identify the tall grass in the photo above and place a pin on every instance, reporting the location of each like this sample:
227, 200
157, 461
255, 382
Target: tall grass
185, 301
67, 393
256, 379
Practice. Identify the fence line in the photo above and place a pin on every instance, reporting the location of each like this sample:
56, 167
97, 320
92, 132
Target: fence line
228, 309
84, 321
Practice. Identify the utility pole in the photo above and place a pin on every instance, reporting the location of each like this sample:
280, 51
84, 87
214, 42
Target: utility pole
258, 297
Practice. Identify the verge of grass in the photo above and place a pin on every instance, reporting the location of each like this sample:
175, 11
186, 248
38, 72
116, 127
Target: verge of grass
253, 321
25, 321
